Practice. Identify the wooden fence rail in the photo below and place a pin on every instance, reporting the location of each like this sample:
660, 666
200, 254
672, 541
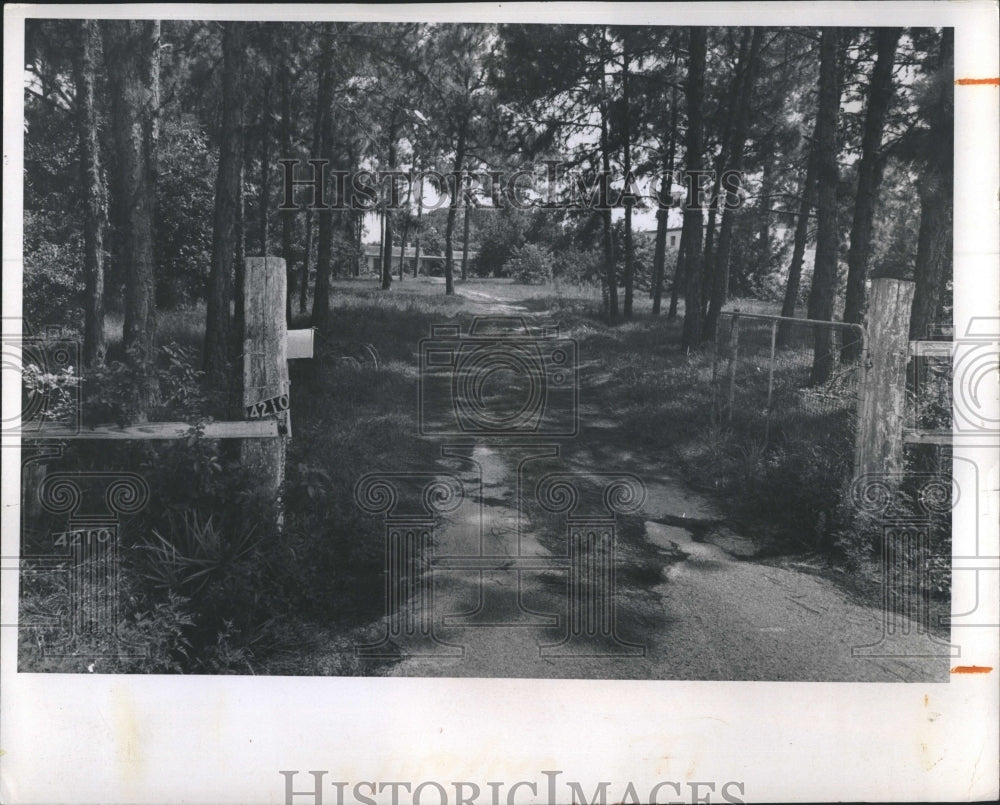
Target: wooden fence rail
267, 348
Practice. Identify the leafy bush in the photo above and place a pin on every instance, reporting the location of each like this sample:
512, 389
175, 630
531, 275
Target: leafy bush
530, 264
109, 389
53, 282
223, 572
185, 191
503, 234
580, 266
644, 252
194, 596
197, 550
57, 391
181, 394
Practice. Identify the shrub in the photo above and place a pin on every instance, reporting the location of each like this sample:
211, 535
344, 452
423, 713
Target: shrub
53, 283
503, 234
185, 192
531, 264
195, 550
56, 391
222, 570
109, 389
580, 266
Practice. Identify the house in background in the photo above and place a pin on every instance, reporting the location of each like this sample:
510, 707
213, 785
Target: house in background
431, 265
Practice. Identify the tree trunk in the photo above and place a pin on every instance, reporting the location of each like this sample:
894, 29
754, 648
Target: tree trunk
611, 279
733, 103
465, 243
287, 221
324, 242
402, 247
827, 239
239, 291
806, 193
708, 270
680, 277
663, 214
741, 124
324, 265
627, 148
387, 247
764, 210
691, 333
359, 234
387, 254
265, 173
322, 94
659, 254
131, 53
347, 255
218, 325
610, 275
420, 214
449, 256
934, 240
934, 248
304, 266
406, 229
869, 178
380, 216
605, 297
92, 191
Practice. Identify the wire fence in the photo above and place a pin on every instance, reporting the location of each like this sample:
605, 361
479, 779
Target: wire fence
768, 384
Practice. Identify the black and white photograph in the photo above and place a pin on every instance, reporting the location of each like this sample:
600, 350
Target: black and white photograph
501, 347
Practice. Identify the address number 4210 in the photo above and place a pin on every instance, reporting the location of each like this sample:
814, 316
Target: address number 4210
273, 405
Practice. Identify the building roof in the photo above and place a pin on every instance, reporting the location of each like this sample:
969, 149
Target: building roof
372, 250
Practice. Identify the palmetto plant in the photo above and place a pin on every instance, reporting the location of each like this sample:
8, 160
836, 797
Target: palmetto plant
195, 551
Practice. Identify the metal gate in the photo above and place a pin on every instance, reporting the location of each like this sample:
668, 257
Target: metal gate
762, 376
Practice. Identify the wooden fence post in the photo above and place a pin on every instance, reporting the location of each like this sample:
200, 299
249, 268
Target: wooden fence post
265, 370
879, 446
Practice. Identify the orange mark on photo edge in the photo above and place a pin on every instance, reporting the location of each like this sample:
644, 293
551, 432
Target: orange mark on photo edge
973, 81
971, 669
